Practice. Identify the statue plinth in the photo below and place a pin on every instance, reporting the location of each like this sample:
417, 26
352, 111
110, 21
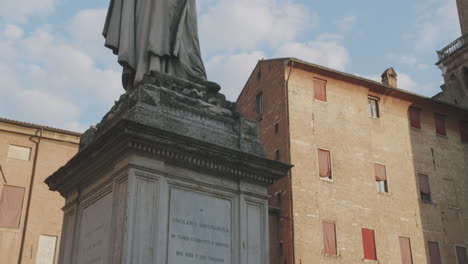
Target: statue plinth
171, 175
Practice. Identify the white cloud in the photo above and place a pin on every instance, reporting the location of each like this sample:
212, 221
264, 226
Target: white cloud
233, 71
13, 32
346, 23
324, 51
20, 10
437, 23
247, 24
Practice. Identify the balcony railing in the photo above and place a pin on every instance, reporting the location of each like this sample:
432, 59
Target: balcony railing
453, 47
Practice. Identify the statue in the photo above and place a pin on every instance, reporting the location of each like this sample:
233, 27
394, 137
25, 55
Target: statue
155, 36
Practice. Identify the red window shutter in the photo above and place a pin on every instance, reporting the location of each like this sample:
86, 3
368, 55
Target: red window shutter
464, 131
405, 250
11, 205
368, 241
329, 238
424, 187
415, 117
434, 252
324, 164
320, 90
380, 172
440, 124
461, 255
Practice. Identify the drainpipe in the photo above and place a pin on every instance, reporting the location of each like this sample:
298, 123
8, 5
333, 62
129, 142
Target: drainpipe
3, 174
31, 185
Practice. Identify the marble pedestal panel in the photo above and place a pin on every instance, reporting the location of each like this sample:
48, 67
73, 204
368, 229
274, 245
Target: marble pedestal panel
140, 191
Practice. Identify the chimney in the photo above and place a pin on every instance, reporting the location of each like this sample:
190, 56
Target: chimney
389, 78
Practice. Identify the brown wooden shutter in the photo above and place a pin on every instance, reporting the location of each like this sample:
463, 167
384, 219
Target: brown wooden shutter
324, 164
440, 124
11, 205
434, 252
320, 90
414, 117
405, 250
461, 255
368, 242
380, 172
424, 187
464, 131
329, 238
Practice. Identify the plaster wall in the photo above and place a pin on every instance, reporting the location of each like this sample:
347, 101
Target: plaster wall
45, 214
356, 141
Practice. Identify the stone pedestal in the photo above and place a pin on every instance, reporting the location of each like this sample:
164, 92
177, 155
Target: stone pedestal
172, 175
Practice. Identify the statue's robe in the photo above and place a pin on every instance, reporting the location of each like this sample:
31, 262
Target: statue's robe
155, 35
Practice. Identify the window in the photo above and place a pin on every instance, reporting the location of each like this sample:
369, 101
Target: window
329, 238
434, 252
11, 205
260, 103
276, 128
440, 124
424, 188
381, 178
461, 255
464, 131
368, 242
277, 154
405, 250
46, 249
373, 107
320, 90
415, 117
324, 164
19, 153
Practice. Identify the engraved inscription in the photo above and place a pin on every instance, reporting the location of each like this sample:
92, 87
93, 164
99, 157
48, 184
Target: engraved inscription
95, 231
199, 229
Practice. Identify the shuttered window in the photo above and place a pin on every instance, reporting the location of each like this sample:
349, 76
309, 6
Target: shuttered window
11, 205
373, 107
320, 90
381, 178
329, 238
324, 164
405, 250
461, 255
368, 242
464, 131
440, 124
424, 187
414, 117
434, 252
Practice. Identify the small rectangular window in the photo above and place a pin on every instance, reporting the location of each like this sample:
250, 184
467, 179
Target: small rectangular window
260, 103
276, 128
424, 187
381, 178
464, 131
440, 124
373, 107
277, 154
19, 153
324, 161
329, 238
461, 255
46, 249
320, 90
415, 117
368, 242
405, 250
434, 252
11, 206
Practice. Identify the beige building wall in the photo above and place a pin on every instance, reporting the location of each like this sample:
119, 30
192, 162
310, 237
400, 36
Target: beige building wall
356, 141
56, 147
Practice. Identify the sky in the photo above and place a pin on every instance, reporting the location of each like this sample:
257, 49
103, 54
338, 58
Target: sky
55, 70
